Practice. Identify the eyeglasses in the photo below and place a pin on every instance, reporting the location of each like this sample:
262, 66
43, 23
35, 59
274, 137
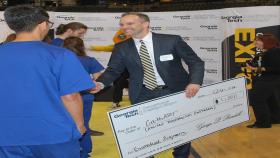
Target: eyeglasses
50, 24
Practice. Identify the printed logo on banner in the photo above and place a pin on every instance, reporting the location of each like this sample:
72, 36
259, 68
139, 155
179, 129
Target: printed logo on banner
209, 27
127, 114
65, 17
117, 17
97, 28
182, 17
2, 20
209, 60
234, 18
156, 28
211, 71
208, 49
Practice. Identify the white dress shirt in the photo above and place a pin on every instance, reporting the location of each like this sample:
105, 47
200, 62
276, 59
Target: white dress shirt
148, 40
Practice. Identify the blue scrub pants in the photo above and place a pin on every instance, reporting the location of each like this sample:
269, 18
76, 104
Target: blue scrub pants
63, 150
86, 144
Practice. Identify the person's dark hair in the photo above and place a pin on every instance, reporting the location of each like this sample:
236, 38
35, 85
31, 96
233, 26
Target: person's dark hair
24, 18
269, 41
142, 16
62, 28
76, 45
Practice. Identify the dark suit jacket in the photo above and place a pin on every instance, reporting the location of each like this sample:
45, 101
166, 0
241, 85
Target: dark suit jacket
125, 55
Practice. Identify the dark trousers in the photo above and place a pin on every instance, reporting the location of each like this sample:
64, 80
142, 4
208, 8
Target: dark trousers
274, 106
262, 94
119, 84
182, 151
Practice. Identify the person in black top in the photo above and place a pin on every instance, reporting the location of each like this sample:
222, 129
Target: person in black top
266, 82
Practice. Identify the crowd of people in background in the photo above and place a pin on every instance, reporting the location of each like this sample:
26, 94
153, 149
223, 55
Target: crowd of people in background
69, 79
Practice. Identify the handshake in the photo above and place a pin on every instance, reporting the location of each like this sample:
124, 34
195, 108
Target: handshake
98, 87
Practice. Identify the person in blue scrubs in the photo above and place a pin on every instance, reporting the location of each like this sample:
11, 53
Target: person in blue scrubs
94, 68
41, 112
75, 29
72, 29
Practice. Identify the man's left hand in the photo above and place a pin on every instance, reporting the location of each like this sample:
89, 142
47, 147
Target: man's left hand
191, 90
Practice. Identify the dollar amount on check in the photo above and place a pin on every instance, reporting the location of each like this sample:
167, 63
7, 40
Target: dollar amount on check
151, 127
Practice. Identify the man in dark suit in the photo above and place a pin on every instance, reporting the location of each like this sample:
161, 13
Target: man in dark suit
154, 65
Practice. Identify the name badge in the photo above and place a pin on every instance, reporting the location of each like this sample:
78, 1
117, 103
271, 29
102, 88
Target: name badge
166, 57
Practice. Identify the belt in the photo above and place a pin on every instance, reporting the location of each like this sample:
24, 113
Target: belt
160, 87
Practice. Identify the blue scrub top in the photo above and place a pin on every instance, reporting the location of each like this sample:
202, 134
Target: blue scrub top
34, 76
92, 66
57, 42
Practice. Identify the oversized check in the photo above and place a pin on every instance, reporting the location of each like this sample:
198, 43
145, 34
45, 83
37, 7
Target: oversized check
151, 127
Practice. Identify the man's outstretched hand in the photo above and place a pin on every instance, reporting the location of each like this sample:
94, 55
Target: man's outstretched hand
191, 90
